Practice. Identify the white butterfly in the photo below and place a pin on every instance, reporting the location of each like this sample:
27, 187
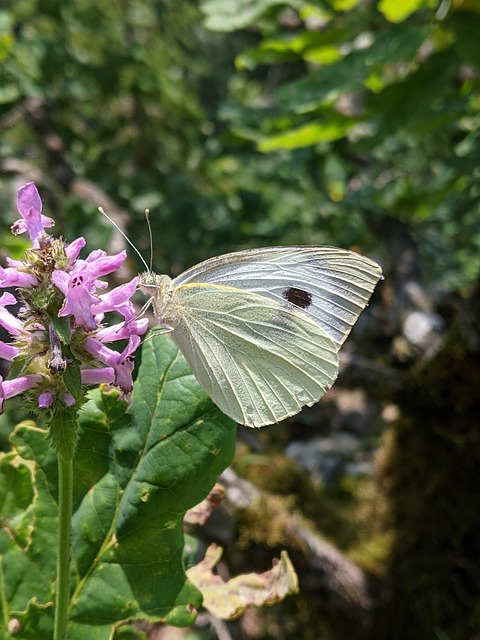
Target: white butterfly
261, 329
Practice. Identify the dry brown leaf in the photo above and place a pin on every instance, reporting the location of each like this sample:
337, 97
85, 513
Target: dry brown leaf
201, 512
228, 600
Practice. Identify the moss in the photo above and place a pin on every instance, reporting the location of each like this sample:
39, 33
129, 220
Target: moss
265, 522
431, 479
349, 513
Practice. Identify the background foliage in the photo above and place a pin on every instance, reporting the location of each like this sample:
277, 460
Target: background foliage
260, 122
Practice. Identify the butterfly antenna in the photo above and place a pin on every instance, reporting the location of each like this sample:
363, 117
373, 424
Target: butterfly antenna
147, 218
149, 269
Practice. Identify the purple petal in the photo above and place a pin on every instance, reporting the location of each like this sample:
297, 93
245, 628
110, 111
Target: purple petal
77, 287
7, 299
10, 277
60, 279
95, 255
124, 368
100, 284
18, 227
73, 249
100, 266
45, 400
97, 376
68, 399
9, 322
14, 263
7, 352
123, 330
29, 206
118, 299
99, 351
122, 363
10, 388
78, 302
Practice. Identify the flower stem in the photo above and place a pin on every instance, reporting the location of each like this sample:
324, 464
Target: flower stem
65, 486
5, 614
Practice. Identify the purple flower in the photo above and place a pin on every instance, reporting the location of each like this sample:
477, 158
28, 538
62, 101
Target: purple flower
122, 330
80, 283
52, 276
73, 249
10, 388
45, 400
118, 299
98, 376
10, 277
30, 208
9, 322
120, 363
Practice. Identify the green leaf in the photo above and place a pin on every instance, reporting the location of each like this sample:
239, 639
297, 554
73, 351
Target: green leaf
128, 540
62, 327
344, 5
16, 494
63, 428
466, 28
307, 135
395, 11
417, 99
28, 533
235, 14
20, 364
136, 474
324, 86
73, 379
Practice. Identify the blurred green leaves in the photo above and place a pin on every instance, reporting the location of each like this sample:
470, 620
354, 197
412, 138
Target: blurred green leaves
236, 14
392, 93
222, 118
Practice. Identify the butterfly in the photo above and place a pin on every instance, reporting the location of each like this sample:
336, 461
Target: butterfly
261, 329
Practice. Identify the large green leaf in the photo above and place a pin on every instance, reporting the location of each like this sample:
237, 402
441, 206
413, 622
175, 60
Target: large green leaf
136, 474
28, 533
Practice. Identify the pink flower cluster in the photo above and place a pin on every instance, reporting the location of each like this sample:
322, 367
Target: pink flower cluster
54, 280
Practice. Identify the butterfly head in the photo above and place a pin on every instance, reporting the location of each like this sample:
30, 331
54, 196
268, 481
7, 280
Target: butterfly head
152, 284
157, 288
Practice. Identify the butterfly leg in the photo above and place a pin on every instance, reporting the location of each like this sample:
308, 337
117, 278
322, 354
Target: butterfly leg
158, 331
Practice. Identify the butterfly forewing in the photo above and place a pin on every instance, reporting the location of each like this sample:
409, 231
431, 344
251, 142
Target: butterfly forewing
331, 286
259, 359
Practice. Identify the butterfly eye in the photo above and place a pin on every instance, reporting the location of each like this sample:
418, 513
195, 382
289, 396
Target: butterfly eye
298, 297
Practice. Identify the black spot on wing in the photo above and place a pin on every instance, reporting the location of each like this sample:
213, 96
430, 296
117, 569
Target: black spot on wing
298, 297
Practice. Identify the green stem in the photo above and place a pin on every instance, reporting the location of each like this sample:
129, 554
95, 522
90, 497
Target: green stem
3, 600
65, 488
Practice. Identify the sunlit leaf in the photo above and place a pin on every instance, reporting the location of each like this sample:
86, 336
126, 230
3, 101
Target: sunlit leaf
235, 14
396, 11
344, 5
306, 135
322, 55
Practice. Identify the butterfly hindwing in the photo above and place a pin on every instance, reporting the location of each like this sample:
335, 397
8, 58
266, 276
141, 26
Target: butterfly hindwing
259, 359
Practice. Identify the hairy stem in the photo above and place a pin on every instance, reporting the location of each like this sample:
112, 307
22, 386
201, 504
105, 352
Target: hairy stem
65, 485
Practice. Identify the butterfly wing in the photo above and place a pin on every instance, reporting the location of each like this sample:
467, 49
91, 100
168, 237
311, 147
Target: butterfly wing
331, 286
258, 359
